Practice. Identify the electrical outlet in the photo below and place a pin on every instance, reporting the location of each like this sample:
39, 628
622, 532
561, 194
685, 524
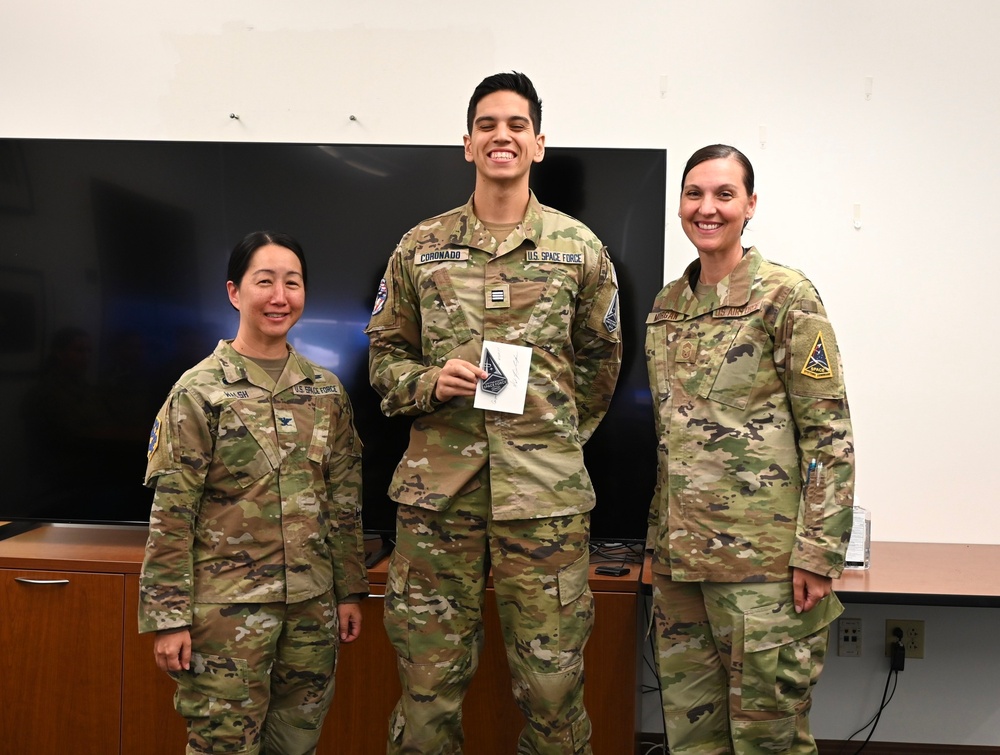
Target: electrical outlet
913, 636
849, 638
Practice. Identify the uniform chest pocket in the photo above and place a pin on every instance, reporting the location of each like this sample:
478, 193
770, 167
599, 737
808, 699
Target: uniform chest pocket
244, 443
551, 318
736, 362
444, 326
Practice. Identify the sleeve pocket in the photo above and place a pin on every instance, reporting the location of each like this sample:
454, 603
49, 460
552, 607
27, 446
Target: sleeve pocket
397, 613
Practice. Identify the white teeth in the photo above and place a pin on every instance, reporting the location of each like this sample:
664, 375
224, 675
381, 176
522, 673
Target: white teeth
709, 226
502, 155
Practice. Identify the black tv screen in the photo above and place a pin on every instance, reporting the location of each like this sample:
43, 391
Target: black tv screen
113, 265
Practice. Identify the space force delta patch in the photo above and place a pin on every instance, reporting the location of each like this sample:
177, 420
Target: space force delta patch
611, 316
817, 364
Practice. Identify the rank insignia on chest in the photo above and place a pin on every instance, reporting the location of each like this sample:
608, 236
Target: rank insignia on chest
495, 380
687, 350
817, 364
498, 296
286, 421
380, 297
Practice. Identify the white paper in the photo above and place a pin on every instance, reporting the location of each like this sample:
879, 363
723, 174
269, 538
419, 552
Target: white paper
509, 366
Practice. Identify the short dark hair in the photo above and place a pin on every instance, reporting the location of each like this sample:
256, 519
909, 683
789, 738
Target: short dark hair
507, 82
720, 152
239, 259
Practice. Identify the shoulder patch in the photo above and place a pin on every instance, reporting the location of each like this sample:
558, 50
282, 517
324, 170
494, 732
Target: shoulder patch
817, 364
380, 297
611, 316
154, 439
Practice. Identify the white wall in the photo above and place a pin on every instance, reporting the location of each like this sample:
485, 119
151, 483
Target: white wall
911, 292
948, 697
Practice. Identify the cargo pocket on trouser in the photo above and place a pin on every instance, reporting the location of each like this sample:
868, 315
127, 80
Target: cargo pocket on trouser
783, 656
434, 674
208, 696
576, 607
550, 694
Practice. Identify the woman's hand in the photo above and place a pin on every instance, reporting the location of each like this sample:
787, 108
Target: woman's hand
349, 615
809, 589
172, 649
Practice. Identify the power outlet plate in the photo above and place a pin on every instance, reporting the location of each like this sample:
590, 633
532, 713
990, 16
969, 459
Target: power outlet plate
849, 637
913, 636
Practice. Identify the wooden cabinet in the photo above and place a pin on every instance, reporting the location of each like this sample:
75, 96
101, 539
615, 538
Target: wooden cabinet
60, 641
76, 676
368, 684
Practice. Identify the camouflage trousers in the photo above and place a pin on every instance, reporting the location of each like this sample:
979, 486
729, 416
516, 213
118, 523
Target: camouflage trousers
261, 676
433, 615
737, 665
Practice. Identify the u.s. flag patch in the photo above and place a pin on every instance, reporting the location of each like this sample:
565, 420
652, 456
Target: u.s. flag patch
817, 364
380, 297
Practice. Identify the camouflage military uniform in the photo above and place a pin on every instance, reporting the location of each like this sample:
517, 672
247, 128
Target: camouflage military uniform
448, 286
748, 390
255, 534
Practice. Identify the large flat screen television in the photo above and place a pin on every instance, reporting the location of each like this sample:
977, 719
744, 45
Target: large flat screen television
112, 268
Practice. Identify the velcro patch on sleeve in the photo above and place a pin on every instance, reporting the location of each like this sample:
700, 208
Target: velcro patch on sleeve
814, 366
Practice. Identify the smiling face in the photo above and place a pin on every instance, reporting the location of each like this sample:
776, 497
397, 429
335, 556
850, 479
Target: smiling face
715, 206
270, 297
503, 143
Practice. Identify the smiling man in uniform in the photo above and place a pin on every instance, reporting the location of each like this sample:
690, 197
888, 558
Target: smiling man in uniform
502, 489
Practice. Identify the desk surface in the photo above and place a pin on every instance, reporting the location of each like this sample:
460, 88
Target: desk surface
919, 574
84, 548
926, 574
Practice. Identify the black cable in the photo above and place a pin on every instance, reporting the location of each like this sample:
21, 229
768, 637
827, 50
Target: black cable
646, 603
873, 721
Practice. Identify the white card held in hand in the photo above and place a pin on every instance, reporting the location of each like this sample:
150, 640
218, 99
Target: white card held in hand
506, 382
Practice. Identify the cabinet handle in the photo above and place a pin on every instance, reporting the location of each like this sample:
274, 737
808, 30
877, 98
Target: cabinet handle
26, 581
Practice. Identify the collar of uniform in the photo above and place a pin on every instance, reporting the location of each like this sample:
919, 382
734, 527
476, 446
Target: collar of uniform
732, 291
468, 230
235, 368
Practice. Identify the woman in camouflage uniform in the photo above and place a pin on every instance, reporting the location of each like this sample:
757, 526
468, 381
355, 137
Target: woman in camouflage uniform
254, 565
752, 510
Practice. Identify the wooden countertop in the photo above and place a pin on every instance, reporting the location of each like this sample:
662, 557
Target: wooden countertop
927, 574
120, 549
921, 574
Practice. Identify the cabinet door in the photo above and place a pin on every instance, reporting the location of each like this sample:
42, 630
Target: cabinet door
60, 662
368, 685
